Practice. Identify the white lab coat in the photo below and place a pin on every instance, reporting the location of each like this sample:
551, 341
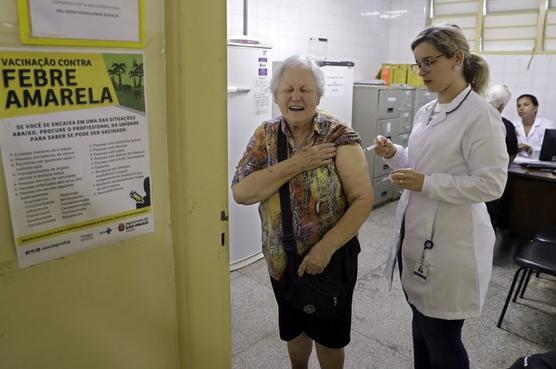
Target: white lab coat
464, 159
536, 133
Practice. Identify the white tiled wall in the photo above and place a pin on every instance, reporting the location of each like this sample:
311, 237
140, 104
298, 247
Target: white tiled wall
404, 28
369, 33
288, 25
538, 80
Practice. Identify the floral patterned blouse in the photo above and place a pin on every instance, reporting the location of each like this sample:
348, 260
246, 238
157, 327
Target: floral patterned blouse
317, 197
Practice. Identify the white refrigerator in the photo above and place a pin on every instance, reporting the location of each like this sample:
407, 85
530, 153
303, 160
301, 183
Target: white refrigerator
249, 104
338, 93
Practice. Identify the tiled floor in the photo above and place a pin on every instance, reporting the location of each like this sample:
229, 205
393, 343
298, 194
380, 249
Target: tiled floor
381, 319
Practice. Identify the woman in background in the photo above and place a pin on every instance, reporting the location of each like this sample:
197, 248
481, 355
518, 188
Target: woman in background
456, 160
530, 128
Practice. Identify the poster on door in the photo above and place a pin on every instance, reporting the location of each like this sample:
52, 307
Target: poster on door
75, 150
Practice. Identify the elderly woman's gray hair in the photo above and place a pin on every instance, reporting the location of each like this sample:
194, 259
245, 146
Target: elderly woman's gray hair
298, 61
498, 96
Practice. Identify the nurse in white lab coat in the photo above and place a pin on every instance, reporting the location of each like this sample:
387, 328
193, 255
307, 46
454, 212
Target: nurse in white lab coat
456, 160
530, 128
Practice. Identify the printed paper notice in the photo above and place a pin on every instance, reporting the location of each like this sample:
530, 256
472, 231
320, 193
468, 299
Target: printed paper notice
75, 151
335, 85
85, 19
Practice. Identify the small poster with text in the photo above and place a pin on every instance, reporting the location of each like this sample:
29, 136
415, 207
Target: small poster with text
90, 19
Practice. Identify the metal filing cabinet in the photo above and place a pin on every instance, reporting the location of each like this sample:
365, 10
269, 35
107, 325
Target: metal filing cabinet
422, 97
383, 189
406, 121
387, 111
403, 139
407, 101
387, 128
407, 98
388, 104
406, 107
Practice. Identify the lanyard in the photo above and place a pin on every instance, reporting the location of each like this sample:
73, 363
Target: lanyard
461, 102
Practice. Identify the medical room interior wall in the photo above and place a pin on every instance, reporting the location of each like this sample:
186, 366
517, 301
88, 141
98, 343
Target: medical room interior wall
354, 29
111, 307
537, 78
373, 32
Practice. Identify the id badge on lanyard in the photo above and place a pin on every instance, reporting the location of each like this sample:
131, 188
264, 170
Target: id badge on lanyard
422, 265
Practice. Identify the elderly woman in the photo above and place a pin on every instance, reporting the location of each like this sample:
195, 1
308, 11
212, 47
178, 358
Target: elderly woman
330, 196
530, 128
498, 96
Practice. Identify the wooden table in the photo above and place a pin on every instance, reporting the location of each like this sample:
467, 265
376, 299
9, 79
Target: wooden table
529, 201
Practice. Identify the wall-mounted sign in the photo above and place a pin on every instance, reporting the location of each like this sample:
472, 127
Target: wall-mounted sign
75, 153
82, 22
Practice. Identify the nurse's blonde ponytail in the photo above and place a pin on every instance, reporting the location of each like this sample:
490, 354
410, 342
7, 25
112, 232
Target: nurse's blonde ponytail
475, 71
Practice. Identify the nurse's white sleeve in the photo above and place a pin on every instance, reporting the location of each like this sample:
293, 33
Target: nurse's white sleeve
399, 160
484, 150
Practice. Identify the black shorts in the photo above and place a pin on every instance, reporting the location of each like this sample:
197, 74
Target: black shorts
329, 332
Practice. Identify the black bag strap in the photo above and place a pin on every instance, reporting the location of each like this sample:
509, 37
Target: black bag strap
288, 236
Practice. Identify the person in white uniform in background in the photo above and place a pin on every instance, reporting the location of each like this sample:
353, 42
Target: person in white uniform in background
530, 128
456, 160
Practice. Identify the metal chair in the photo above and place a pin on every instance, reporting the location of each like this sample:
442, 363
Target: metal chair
546, 234
535, 255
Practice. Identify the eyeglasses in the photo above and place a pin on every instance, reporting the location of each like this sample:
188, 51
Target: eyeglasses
425, 64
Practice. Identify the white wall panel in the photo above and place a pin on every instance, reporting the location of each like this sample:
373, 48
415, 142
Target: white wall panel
505, 33
550, 31
523, 19
404, 28
550, 45
513, 45
469, 33
370, 40
463, 22
551, 16
537, 80
456, 8
510, 5
288, 26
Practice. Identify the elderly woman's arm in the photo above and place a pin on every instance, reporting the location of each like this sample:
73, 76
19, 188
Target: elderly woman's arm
352, 169
262, 183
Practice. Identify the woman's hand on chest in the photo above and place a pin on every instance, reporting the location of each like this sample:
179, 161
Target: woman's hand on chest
312, 157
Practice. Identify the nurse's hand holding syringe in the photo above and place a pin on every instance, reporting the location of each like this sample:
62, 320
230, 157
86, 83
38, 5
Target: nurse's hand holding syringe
384, 147
406, 178
370, 148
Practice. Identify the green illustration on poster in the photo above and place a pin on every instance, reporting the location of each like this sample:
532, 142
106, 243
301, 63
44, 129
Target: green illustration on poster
126, 74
